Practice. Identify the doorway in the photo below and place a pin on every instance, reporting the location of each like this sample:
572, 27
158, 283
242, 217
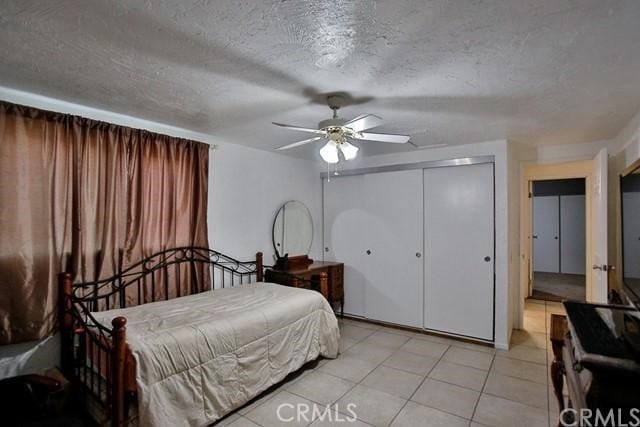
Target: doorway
559, 239
594, 172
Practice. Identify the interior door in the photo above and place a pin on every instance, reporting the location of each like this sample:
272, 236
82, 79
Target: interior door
344, 234
394, 246
599, 280
459, 250
546, 234
572, 234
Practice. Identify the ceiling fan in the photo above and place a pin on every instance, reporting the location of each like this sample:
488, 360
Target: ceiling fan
338, 132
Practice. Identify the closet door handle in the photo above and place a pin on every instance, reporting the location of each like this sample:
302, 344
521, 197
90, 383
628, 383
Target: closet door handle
555, 237
487, 259
368, 252
418, 254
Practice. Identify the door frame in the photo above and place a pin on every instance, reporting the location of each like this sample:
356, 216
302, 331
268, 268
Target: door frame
543, 172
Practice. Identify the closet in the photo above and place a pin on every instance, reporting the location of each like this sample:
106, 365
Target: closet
559, 226
373, 223
417, 244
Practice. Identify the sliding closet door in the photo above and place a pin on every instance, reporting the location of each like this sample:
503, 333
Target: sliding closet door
394, 244
459, 250
546, 234
573, 234
345, 231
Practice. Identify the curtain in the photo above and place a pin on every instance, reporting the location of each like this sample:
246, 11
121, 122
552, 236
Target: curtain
88, 197
167, 209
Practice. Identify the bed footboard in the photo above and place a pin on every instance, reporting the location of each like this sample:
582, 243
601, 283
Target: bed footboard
95, 357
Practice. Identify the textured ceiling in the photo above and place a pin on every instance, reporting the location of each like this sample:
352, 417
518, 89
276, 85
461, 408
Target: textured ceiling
538, 71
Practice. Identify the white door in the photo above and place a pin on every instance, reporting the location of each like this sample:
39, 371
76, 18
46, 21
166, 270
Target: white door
599, 280
344, 234
631, 236
459, 250
572, 234
394, 243
546, 234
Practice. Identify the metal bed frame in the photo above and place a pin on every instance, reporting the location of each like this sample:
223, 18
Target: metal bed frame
95, 356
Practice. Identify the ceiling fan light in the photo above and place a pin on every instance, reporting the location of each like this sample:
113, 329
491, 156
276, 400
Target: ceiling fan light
349, 151
329, 152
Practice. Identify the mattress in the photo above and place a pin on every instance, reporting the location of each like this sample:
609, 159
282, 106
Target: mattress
201, 356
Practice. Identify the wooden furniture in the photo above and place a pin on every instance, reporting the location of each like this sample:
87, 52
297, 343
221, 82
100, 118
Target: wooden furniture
311, 275
601, 367
96, 358
557, 334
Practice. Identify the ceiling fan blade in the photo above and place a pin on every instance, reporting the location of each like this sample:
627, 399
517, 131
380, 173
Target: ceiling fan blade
382, 137
364, 122
426, 147
298, 128
297, 144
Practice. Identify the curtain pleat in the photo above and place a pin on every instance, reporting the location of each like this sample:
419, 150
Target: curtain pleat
89, 197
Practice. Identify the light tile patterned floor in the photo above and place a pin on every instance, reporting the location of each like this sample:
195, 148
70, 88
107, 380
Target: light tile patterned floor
399, 378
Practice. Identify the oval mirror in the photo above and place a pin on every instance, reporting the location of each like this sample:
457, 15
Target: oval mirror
292, 229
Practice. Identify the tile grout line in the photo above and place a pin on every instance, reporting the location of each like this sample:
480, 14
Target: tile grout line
426, 376
283, 389
369, 373
484, 385
419, 385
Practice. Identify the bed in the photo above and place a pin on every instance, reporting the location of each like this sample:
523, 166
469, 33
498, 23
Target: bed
141, 349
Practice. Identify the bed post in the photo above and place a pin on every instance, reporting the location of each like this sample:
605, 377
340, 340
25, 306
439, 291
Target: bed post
324, 284
66, 323
259, 271
118, 356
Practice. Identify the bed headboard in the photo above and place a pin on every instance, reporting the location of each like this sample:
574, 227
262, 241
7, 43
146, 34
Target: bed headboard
95, 354
164, 275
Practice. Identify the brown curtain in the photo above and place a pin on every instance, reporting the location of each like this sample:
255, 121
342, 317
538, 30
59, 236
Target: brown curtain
76, 194
167, 209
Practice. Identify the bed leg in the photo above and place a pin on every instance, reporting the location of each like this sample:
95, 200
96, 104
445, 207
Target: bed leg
324, 284
66, 323
259, 267
118, 360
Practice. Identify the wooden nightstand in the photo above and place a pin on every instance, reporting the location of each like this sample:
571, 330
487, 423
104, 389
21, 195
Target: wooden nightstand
335, 279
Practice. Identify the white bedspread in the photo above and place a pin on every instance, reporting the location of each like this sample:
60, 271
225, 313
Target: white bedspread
201, 356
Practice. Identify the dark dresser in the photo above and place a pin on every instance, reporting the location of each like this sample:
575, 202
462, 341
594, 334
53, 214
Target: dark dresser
311, 273
600, 361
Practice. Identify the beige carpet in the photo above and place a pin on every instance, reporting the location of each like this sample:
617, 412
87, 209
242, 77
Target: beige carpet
557, 287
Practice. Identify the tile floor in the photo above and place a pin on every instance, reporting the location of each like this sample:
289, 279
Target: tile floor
400, 378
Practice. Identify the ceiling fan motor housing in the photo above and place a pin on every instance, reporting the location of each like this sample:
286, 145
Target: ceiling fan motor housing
331, 123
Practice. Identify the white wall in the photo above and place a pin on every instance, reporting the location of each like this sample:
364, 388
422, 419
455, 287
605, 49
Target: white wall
498, 149
246, 187
570, 152
626, 151
517, 156
628, 139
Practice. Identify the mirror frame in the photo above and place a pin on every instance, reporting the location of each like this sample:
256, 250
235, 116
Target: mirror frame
273, 228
